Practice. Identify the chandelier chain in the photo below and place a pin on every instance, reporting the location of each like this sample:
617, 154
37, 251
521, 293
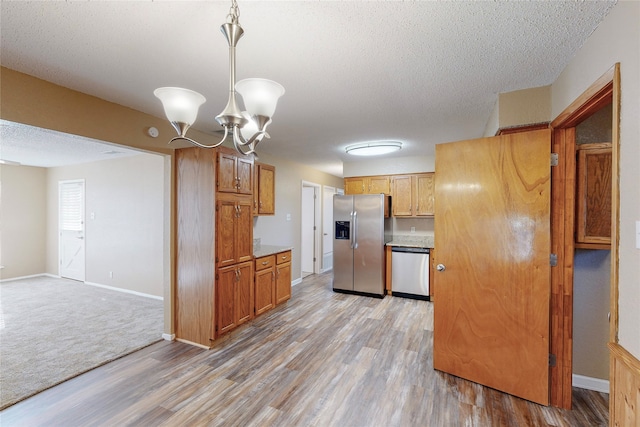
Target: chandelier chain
234, 13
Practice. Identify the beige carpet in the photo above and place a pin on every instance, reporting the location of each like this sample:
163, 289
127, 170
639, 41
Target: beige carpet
54, 329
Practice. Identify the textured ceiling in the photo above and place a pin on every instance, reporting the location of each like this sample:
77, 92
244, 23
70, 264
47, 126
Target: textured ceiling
419, 72
32, 146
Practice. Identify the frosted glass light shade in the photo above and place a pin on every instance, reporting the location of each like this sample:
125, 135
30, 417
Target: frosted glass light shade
375, 148
180, 105
260, 96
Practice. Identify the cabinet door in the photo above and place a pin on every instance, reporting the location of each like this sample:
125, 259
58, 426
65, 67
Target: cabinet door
244, 293
401, 197
378, 184
283, 282
424, 195
226, 212
266, 189
244, 175
264, 290
226, 173
226, 299
244, 230
593, 200
354, 186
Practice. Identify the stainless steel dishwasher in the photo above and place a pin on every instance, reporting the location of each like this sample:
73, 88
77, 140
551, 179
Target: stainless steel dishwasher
410, 272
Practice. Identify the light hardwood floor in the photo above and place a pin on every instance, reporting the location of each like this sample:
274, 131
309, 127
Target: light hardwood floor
322, 359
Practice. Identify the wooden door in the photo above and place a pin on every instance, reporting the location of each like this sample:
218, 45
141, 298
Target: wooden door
244, 292
379, 184
424, 195
354, 185
226, 299
283, 282
264, 290
244, 175
266, 189
244, 230
401, 197
491, 317
226, 173
226, 212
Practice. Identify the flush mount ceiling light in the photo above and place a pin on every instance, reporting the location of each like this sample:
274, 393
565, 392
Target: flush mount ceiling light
260, 97
373, 148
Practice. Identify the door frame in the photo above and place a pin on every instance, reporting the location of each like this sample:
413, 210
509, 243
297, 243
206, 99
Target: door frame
603, 91
316, 227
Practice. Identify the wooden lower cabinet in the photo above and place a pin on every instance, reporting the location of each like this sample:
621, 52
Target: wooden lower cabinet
234, 296
265, 292
283, 277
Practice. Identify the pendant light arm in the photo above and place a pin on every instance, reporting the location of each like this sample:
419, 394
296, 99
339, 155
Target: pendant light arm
194, 142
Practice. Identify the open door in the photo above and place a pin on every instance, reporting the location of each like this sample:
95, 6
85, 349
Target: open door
492, 234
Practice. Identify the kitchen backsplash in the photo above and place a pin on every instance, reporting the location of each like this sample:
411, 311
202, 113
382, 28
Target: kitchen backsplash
413, 226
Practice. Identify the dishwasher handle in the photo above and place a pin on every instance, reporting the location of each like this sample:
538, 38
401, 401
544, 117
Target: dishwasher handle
410, 250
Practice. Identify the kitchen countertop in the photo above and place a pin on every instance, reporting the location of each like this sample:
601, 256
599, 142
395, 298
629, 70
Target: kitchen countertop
264, 250
412, 241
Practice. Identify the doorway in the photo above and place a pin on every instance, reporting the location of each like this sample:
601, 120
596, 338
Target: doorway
309, 236
327, 227
605, 91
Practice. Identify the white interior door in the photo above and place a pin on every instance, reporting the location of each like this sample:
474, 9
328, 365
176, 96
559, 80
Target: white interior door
327, 227
307, 254
71, 229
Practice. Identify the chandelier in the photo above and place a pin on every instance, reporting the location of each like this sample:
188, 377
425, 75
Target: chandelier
260, 96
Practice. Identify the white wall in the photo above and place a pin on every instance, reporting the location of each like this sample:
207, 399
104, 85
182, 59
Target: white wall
389, 166
617, 39
23, 207
125, 236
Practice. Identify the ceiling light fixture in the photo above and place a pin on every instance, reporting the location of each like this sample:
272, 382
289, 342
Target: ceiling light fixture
260, 97
373, 148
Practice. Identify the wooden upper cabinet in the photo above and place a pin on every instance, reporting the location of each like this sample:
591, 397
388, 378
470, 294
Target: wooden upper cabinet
593, 198
264, 190
412, 195
354, 185
234, 173
424, 194
401, 195
367, 185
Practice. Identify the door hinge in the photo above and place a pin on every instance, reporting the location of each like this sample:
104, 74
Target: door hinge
552, 360
553, 260
554, 159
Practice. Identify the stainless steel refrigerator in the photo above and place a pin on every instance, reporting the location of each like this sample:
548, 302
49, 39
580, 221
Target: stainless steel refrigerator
362, 226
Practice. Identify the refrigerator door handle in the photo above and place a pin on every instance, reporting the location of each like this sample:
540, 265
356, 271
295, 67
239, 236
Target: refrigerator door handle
355, 230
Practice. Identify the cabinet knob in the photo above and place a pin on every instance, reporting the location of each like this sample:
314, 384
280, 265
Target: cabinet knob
441, 267
265, 262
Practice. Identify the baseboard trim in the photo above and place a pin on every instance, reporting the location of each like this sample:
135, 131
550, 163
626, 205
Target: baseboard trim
589, 383
193, 343
126, 291
169, 337
296, 282
31, 276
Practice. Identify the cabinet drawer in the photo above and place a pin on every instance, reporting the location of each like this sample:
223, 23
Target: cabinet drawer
265, 262
283, 257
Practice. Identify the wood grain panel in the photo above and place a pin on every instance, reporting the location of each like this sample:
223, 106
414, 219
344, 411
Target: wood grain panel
226, 173
244, 173
195, 272
424, 194
283, 282
378, 184
226, 299
492, 234
264, 289
625, 386
593, 214
266, 189
244, 229
225, 238
244, 292
401, 195
354, 185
